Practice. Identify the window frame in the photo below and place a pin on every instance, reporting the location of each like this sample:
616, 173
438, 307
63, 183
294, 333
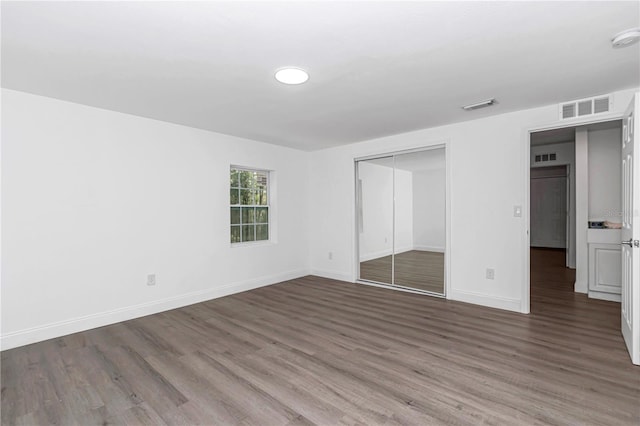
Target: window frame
248, 207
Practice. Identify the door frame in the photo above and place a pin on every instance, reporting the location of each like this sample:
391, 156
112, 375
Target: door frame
568, 243
441, 144
526, 204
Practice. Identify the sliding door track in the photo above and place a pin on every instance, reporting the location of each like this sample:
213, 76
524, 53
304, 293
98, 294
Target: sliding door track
400, 288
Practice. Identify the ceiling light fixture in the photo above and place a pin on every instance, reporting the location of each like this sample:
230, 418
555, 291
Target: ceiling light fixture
291, 75
477, 105
626, 38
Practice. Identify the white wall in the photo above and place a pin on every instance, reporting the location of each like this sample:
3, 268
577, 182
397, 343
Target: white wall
594, 179
605, 171
429, 198
376, 238
565, 154
582, 210
94, 200
403, 211
488, 159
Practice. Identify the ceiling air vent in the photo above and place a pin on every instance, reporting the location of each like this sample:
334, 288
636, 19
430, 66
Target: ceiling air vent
585, 107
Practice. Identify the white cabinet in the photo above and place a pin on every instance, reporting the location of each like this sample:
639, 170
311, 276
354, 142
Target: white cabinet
604, 264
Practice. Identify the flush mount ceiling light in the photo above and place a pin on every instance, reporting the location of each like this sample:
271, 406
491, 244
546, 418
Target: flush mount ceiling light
291, 75
626, 38
477, 105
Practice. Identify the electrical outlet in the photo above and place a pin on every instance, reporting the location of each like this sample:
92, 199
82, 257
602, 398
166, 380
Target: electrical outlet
330, 255
151, 279
491, 273
517, 211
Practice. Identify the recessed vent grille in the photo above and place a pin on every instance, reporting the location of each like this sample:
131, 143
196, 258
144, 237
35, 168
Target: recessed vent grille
568, 110
600, 105
541, 158
584, 107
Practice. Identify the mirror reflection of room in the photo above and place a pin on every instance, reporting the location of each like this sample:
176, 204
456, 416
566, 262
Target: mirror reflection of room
402, 220
375, 183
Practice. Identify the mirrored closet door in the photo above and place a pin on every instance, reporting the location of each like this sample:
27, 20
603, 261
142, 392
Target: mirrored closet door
375, 190
401, 220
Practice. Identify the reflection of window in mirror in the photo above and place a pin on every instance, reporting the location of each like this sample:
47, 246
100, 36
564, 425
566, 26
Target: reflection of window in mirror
360, 220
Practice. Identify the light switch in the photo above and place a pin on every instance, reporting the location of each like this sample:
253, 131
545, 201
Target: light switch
517, 211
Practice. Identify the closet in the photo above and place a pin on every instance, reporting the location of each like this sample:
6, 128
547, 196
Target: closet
401, 199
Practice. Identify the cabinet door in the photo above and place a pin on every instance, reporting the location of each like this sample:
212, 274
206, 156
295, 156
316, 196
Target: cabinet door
604, 268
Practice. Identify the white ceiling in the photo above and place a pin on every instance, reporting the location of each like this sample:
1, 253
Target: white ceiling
377, 68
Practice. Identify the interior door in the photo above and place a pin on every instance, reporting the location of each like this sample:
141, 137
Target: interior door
549, 207
630, 302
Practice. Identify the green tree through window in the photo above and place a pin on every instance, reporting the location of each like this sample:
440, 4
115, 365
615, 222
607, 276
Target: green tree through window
249, 200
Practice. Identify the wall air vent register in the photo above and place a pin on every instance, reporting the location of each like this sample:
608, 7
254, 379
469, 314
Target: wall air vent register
585, 107
541, 158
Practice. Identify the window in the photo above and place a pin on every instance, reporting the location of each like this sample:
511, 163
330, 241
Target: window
249, 201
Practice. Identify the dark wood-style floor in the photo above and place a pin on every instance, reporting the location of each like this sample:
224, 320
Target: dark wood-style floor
422, 270
319, 351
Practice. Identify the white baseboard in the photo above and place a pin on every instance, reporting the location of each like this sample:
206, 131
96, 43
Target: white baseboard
430, 248
403, 249
611, 297
375, 255
579, 287
485, 300
383, 253
333, 275
74, 325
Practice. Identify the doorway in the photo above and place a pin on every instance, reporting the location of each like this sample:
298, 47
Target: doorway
401, 209
607, 262
575, 172
550, 207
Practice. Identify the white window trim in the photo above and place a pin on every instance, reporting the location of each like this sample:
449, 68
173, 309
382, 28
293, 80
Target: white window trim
270, 227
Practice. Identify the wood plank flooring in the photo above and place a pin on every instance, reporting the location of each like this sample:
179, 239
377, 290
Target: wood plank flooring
318, 351
422, 270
